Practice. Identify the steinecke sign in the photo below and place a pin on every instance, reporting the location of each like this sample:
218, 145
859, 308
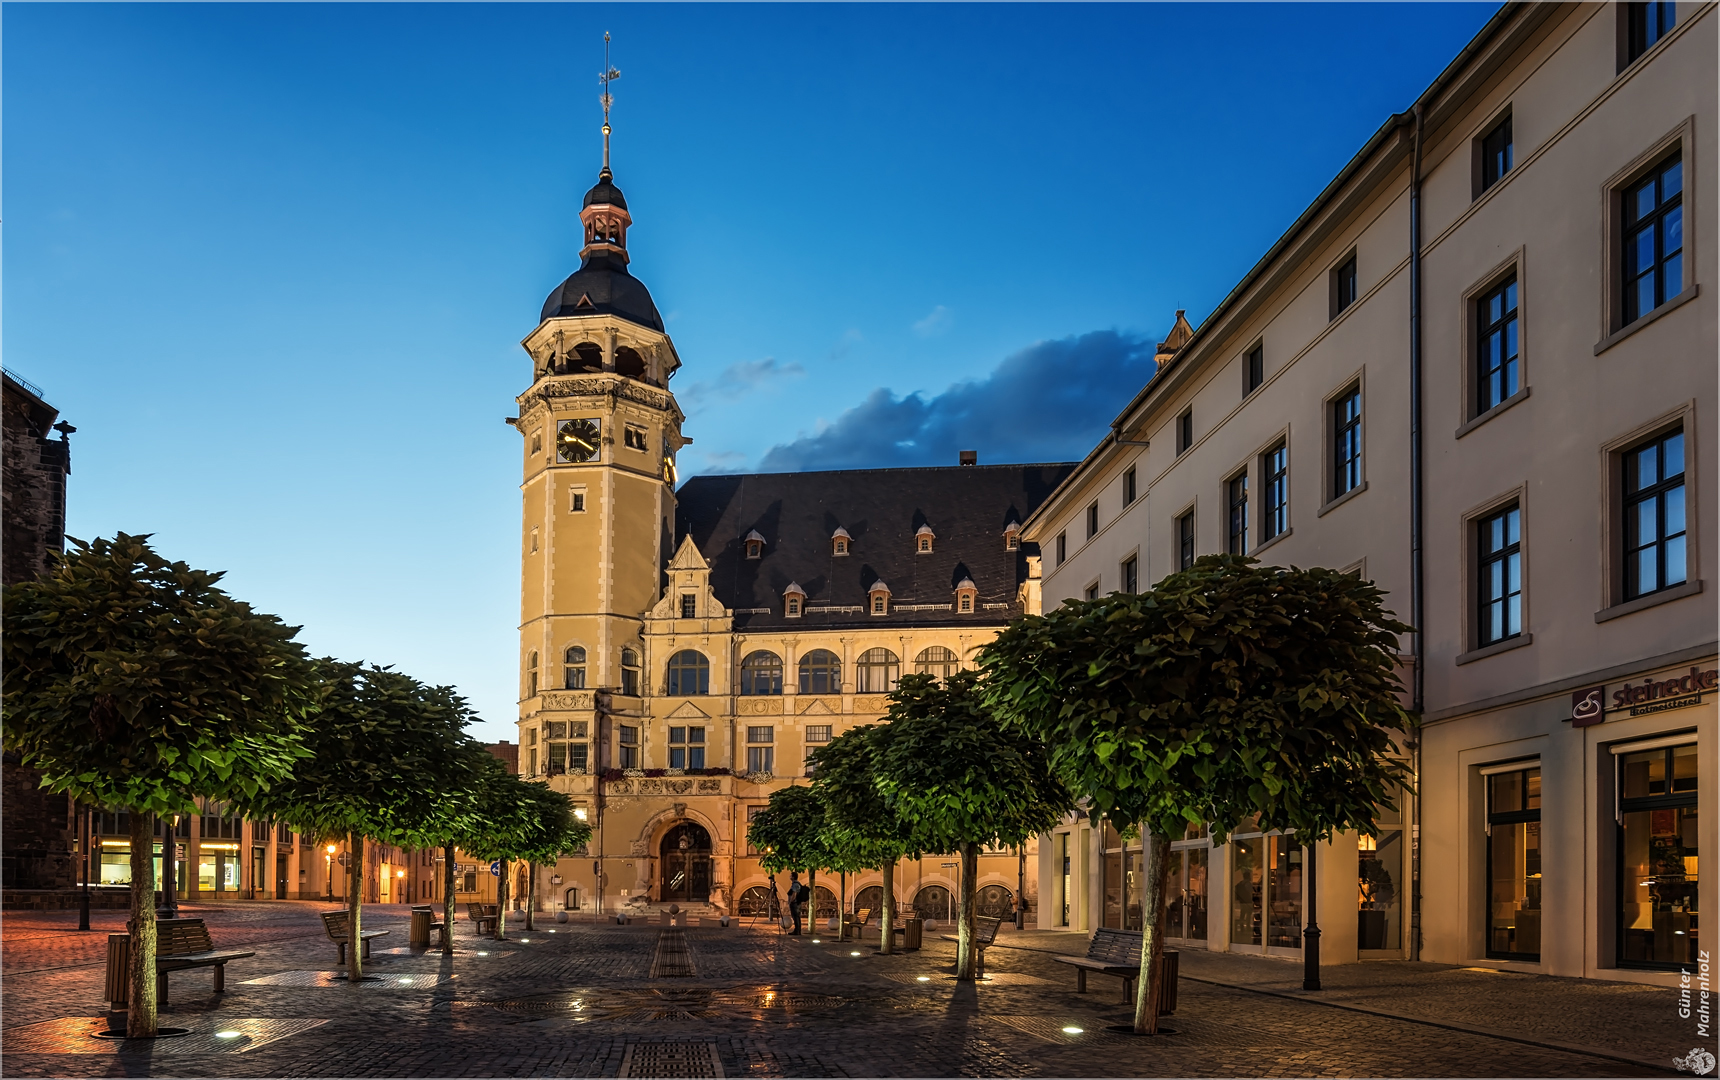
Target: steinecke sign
1651, 695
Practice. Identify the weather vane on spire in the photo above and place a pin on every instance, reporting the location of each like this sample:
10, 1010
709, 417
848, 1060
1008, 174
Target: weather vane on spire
609, 75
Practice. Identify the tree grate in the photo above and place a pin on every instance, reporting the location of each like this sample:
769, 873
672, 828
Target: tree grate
671, 1059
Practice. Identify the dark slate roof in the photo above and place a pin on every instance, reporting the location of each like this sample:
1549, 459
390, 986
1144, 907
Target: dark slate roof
966, 506
611, 290
604, 192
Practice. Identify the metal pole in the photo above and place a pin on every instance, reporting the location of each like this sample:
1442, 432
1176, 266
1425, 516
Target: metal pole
85, 819
1311, 936
1021, 887
1418, 608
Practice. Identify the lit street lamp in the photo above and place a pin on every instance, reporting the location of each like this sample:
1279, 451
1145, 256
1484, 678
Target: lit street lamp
328, 873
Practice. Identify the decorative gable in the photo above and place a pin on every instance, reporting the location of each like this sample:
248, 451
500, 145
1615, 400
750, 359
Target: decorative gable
688, 592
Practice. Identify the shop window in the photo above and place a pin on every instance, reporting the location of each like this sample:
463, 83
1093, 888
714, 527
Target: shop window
1380, 883
1266, 903
1658, 898
1514, 863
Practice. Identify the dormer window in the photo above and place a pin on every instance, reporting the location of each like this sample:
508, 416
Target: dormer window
793, 598
923, 538
839, 541
1012, 536
755, 545
879, 596
967, 596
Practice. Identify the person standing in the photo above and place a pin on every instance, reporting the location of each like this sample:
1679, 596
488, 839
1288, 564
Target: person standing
796, 893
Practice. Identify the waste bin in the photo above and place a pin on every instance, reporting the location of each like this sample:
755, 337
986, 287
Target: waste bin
418, 933
1168, 982
912, 929
118, 970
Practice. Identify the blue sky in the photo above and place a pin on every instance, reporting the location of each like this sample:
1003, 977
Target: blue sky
274, 261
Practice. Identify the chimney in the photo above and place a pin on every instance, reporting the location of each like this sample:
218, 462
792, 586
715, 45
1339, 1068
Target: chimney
970, 457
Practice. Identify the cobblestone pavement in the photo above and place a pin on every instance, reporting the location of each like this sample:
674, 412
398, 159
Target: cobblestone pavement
579, 1000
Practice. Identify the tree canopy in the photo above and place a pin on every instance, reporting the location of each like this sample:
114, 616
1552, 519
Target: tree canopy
519, 819
860, 825
790, 832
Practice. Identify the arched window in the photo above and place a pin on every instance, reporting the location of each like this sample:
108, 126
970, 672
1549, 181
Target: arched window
877, 671
629, 672
587, 356
820, 672
936, 660
689, 673
761, 673
573, 668
628, 362
531, 674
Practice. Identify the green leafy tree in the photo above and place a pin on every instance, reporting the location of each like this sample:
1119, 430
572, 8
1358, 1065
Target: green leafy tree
519, 819
860, 824
135, 684
790, 832
384, 764
964, 779
1227, 691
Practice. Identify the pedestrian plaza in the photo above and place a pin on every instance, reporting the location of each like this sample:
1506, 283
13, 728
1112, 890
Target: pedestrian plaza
597, 999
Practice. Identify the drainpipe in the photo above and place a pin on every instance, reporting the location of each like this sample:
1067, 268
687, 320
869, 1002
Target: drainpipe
1418, 608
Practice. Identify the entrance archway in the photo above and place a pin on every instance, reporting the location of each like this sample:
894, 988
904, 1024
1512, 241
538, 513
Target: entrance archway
686, 856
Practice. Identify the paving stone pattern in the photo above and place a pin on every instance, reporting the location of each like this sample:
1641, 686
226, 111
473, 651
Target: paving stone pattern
579, 999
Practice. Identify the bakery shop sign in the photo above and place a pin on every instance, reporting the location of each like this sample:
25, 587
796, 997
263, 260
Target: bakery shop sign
1657, 694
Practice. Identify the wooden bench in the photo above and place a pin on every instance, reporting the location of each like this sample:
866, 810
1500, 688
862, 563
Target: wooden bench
858, 923
337, 925
482, 915
984, 935
1118, 952
181, 944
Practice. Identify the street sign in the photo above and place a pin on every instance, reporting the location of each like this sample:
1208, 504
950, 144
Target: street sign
496, 868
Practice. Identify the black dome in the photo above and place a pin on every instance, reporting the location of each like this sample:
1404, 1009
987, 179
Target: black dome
610, 290
605, 191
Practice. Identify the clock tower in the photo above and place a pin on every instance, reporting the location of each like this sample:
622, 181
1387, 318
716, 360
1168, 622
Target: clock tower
599, 432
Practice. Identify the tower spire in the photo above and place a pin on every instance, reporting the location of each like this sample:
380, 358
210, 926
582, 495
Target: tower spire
610, 74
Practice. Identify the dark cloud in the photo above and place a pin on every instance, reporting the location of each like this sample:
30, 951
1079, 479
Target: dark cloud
1049, 402
738, 380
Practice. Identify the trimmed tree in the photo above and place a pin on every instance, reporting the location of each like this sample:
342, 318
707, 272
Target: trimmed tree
964, 779
860, 823
133, 683
385, 763
1229, 690
790, 832
519, 819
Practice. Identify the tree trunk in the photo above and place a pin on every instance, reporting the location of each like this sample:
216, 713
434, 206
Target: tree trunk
842, 909
354, 906
1158, 854
966, 956
531, 893
448, 870
140, 1017
887, 921
502, 900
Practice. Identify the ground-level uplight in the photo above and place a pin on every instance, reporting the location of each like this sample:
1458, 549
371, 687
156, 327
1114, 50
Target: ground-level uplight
924, 978
1073, 1030
853, 954
228, 1034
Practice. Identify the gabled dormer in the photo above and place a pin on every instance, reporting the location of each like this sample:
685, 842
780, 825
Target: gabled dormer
967, 596
1012, 536
924, 538
840, 542
754, 545
878, 598
793, 600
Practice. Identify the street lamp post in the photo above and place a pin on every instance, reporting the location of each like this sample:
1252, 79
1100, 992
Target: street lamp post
1311, 936
86, 828
328, 872
169, 908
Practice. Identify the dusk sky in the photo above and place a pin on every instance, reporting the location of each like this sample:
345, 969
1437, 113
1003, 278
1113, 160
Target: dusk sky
274, 262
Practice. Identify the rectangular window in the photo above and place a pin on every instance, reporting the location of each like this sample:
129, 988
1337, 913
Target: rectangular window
1092, 592
1131, 575
1646, 24
1275, 513
1496, 350
818, 733
1654, 239
1654, 527
752, 812
689, 605
578, 757
531, 762
1185, 541
686, 748
1254, 369
761, 759
1236, 498
1092, 521
634, 437
576, 505
1344, 286
627, 745
1129, 486
761, 734
1501, 565
1514, 865
1185, 430
1496, 154
1657, 865
1347, 442
1062, 547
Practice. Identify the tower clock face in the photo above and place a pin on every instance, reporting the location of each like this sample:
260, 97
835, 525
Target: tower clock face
577, 441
